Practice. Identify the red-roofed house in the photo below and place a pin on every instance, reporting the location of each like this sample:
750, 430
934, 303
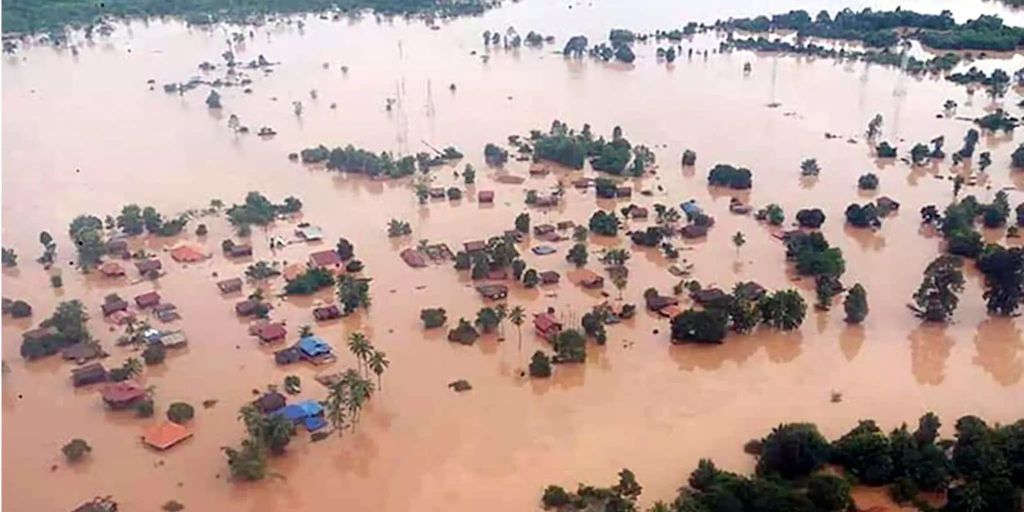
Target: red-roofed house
121, 395
547, 326
325, 259
147, 300
271, 333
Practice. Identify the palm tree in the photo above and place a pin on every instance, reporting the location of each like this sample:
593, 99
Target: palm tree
378, 363
616, 257
360, 347
502, 311
619, 280
738, 240
133, 367
250, 416
336, 406
305, 331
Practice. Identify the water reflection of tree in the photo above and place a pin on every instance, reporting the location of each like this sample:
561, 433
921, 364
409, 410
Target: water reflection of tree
851, 339
998, 344
929, 349
868, 239
780, 347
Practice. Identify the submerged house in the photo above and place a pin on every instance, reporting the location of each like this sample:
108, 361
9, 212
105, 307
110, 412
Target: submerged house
325, 259
147, 300
239, 251
493, 291
271, 333
549, 277
485, 196
474, 246
121, 394
113, 305
246, 307
316, 350
711, 297
90, 374
589, 279
308, 413
173, 339
325, 313
287, 356
413, 257
148, 267
309, 233
547, 326
166, 312
82, 352
187, 254
165, 435
270, 401
112, 269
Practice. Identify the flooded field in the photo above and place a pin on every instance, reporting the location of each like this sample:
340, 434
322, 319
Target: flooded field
85, 134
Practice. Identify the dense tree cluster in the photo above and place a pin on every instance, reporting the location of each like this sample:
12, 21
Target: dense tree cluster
571, 148
980, 470
813, 256
724, 175
361, 161
884, 57
938, 295
67, 327
258, 210
739, 311
604, 223
311, 281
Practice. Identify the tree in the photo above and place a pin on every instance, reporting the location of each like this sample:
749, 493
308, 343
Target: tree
856, 304
260, 271
792, 450
743, 313
517, 315
540, 365
865, 452
292, 384
772, 213
829, 493
530, 278
689, 158
213, 100
397, 228
875, 127
180, 412
577, 255
9, 257
604, 223
810, 167
863, 216
154, 354
555, 497
570, 347
523, 222
783, 309
90, 245
353, 293
739, 241
130, 220
469, 175
75, 450
1004, 278
616, 257
984, 160
360, 347
701, 326
486, 319
495, 155
345, 249
378, 362
249, 462
433, 317
868, 181
936, 298
20, 309
724, 175
811, 218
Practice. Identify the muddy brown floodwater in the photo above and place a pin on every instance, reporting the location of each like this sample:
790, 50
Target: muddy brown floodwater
83, 134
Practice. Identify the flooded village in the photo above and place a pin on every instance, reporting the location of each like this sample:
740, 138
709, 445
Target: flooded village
552, 255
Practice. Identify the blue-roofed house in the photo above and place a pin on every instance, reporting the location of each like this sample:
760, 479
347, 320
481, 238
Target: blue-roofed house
308, 412
316, 350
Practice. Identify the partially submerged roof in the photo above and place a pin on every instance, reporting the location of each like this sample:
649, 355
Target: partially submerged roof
272, 331
188, 254
122, 392
111, 269
147, 299
328, 258
314, 346
271, 401
413, 258
310, 233
230, 285
165, 435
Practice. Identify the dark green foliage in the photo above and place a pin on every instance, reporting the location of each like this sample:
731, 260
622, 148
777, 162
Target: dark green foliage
863, 216
772, 214
884, 150
743, 314
650, 237
724, 175
868, 181
998, 120
936, 298
604, 223
793, 450
75, 450
562, 145
310, 281
701, 326
855, 305
495, 155
810, 218
180, 412
523, 222
554, 496
86, 233
1017, 157
783, 309
518, 267
258, 210
605, 188
464, 333
540, 366
481, 266
530, 278
570, 347
593, 325
68, 321
353, 293
689, 158
462, 261
10, 258
354, 266
433, 317
577, 255
143, 408
487, 319
865, 453
20, 309
154, 354
360, 161
813, 255
1004, 278
829, 493
345, 249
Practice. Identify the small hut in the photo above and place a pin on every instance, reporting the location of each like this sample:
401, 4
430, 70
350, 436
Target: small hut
165, 435
230, 285
493, 291
89, 374
272, 332
326, 313
121, 394
147, 300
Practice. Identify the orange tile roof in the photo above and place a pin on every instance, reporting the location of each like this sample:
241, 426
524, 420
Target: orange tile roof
165, 435
187, 254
